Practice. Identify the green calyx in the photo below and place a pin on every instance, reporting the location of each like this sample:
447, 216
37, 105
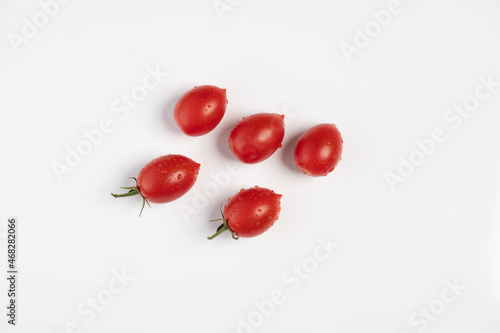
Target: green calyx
133, 190
223, 227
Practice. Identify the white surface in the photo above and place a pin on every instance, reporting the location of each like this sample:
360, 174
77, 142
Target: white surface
397, 248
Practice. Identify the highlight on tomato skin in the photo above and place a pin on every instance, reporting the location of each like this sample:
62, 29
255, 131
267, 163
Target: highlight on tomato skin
250, 212
319, 150
257, 137
200, 109
164, 179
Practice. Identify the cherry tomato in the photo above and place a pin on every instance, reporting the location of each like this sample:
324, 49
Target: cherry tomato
164, 179
200, 110
255, 138
319, 150
250, 212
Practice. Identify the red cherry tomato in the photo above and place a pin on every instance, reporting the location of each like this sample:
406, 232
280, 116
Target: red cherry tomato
319, 150
200, 110
257, 137
250, 212
164, 179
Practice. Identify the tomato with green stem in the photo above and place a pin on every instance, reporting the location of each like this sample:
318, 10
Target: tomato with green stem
249, 212
164, 179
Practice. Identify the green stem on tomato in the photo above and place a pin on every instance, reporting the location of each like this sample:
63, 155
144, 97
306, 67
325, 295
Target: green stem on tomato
223, 227
220, 230
128, 194
133, 190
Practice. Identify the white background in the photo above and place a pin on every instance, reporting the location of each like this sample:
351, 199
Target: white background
397, 248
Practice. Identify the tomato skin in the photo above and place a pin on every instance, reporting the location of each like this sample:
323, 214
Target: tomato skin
167, 178
319, 150
255, 138
200, 109
251, 212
